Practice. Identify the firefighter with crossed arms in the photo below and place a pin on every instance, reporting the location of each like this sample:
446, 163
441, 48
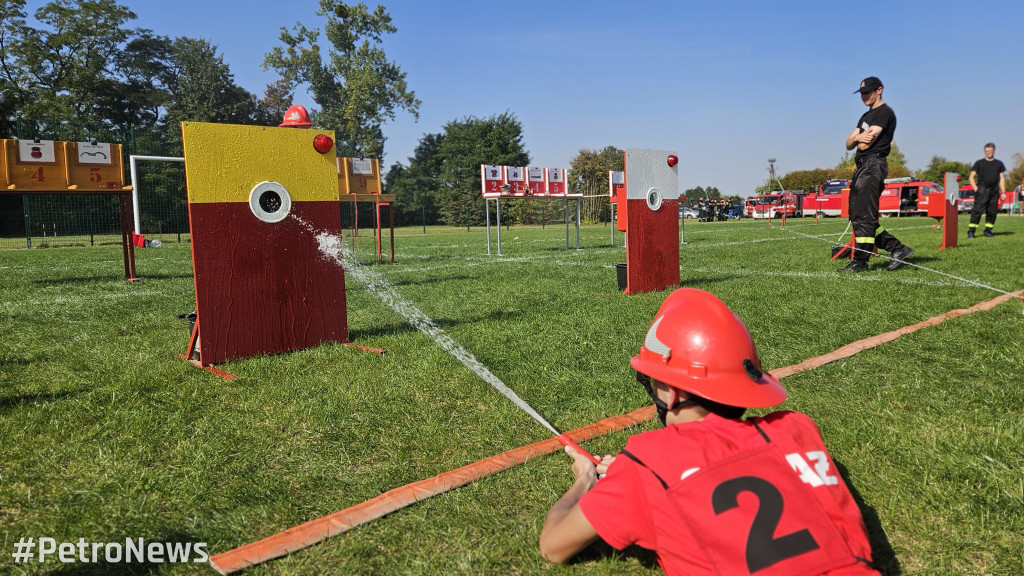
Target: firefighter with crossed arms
873, 140
710, 492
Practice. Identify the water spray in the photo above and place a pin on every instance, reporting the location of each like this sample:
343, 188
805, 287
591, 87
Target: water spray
330, 245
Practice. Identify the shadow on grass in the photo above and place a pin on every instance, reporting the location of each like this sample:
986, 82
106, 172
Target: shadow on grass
110, 277
398, 328
134, 568
601, 549
881, 550
432, 280
12, 402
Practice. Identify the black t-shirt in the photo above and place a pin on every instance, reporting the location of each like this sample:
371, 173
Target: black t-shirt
884, 117
988, 172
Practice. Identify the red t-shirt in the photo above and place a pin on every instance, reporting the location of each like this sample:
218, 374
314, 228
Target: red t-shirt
720, 496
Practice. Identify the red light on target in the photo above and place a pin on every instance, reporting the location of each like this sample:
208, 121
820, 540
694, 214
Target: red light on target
672, 160
323, 143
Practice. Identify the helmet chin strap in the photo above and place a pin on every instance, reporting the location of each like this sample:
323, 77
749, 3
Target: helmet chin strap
663, 409
659, 404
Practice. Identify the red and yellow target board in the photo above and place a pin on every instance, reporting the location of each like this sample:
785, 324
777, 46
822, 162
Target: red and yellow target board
266, 234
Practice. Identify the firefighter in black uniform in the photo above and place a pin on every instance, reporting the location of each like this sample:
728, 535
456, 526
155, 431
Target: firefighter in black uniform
873, 139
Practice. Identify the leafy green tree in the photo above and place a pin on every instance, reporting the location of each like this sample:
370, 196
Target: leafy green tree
695, 194
588, 171
81, 66
277, 98
896, 158
416, 186
356, 87
203, 89
1015, 177
937, 168
466, 145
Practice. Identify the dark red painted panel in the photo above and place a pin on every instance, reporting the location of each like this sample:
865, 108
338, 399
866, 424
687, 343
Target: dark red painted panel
265, 288
652, 246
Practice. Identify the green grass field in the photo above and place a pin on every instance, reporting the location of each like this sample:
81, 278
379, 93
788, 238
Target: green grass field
106, 435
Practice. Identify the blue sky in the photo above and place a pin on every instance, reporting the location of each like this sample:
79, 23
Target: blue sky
727, 84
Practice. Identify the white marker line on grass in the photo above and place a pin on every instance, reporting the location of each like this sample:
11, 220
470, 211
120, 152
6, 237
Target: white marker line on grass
830, 275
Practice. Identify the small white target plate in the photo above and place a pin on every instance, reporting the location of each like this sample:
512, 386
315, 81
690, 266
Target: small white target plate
654, 199
270, 202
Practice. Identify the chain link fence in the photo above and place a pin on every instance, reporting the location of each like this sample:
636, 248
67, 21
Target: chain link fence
60, 220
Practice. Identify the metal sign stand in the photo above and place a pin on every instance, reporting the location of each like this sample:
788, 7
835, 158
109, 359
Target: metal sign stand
497, 209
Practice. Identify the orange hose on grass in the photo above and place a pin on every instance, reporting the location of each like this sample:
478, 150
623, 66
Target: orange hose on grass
317, 530
861, 345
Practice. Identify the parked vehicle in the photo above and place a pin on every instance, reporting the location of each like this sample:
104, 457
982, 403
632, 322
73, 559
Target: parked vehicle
774, 204
906, 196
687, 213
965, 202
827, 201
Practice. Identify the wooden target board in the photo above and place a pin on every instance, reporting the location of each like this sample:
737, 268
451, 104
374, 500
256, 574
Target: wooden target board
266, 231
652, 214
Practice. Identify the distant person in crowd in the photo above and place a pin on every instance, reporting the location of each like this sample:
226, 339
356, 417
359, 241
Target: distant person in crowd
988, 192
873, 139
711, 492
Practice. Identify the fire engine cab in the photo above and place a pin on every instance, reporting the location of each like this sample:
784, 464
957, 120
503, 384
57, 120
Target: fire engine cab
774, 204
828, 200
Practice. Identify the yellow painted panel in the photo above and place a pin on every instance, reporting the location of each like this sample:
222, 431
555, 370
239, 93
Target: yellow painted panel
359, 176
107, 175
47, 173
224, 162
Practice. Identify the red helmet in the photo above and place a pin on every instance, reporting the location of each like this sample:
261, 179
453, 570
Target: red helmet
296, 116
698, 345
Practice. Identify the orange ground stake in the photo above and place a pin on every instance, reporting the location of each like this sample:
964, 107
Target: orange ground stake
317, 530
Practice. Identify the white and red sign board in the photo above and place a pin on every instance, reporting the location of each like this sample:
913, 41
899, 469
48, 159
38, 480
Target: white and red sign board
536, 182
616, 182
491, 179
515, 177
41, 151
93, 153
520, 181
557, 182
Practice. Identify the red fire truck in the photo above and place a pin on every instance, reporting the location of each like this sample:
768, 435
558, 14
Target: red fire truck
827, 201
773, 204
906, 196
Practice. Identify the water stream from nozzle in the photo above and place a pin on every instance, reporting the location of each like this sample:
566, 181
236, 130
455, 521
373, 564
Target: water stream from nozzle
330, 245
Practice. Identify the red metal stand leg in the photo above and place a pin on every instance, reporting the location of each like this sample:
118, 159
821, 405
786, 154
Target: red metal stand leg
128, 248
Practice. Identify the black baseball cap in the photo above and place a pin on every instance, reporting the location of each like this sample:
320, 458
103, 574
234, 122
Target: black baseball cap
870, 84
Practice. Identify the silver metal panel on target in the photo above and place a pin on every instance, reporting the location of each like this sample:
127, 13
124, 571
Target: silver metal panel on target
649, 170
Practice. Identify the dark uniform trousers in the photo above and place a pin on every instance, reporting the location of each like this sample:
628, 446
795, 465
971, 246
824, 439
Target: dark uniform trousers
866, 187
986, 201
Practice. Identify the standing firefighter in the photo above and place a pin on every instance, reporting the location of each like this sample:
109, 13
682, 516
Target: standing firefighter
873, 139
988, 192
711, 493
